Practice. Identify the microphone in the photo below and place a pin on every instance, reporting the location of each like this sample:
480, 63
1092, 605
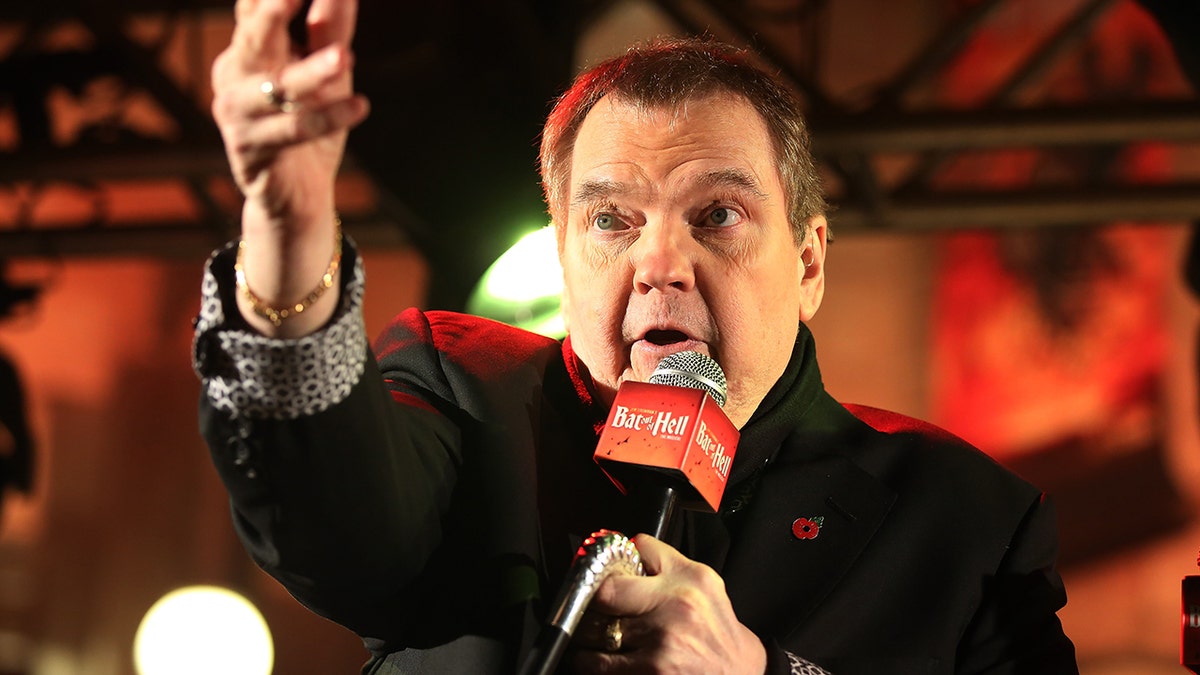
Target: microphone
668, 440
600, 556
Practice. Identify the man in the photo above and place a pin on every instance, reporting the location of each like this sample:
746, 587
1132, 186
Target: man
430, 499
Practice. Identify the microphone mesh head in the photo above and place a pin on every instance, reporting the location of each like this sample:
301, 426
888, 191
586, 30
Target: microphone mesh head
694, 371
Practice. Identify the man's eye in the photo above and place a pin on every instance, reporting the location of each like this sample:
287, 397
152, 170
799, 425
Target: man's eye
722, 217
606, 222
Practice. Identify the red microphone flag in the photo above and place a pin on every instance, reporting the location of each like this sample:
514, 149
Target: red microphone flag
679, 431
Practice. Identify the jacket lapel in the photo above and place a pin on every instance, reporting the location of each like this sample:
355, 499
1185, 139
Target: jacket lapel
844, 507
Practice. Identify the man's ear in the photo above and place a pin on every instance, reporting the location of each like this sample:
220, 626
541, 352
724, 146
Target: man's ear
812, 267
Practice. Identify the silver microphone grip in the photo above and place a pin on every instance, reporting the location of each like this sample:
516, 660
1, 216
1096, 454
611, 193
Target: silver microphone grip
600, 556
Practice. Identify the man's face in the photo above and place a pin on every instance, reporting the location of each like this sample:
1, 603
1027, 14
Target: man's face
677, 239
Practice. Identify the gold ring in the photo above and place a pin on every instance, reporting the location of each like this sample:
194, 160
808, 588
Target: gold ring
613, 636
275, 96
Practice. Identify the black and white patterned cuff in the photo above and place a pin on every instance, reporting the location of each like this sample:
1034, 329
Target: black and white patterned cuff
245, 374
801, 666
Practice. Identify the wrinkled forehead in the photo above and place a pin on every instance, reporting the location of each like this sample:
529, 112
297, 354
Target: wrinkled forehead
667, 113
712, 131
618, 107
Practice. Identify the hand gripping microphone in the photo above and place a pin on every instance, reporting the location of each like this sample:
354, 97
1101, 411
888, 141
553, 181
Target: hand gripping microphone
669, 434
600, 556
668, 442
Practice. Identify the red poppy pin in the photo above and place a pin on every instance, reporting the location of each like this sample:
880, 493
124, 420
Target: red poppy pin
807, 528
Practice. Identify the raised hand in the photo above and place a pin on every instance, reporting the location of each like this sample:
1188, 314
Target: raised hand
284, 116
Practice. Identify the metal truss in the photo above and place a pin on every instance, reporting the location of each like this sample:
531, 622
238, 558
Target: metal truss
851, 141
885, 152
106, 153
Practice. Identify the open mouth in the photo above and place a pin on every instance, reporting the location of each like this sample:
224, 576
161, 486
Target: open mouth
665, 337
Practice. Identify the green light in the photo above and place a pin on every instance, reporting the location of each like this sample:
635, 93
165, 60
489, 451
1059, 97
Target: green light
523, 287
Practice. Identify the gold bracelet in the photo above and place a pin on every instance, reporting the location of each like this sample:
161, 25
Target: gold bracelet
277, 316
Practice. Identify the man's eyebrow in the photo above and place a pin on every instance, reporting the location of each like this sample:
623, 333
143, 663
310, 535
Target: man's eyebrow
597, 189
733, 178
603, 189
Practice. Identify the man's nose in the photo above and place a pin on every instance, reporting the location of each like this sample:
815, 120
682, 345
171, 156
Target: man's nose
663, 258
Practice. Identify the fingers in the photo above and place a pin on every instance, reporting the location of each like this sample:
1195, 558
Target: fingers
283, 115
655, 554
260, 53
624, 601
272, 132
604, 633
633, 595
676, 588
316, 81
316, 89
260, 38
331, 22
678, 619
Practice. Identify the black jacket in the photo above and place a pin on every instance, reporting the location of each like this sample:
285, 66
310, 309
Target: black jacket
433, 505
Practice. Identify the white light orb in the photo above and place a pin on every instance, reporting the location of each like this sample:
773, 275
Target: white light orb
203, 630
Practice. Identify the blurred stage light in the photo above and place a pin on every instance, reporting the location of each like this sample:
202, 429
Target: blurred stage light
203, 630
523, 287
